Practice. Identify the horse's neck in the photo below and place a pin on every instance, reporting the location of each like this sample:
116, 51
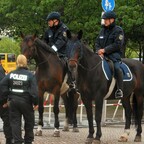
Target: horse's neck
45, 59
41, 56
90, 59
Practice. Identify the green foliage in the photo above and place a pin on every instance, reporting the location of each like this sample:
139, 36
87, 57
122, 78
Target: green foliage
8, 45
29, 17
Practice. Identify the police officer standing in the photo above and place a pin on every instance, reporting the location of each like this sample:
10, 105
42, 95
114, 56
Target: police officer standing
4, 112
109, 43
21, 88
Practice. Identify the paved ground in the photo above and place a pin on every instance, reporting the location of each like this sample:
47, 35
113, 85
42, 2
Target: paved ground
111, 132
110, 136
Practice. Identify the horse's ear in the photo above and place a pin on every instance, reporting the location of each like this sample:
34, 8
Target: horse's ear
22, 35
80, 33
34, 36
68, 34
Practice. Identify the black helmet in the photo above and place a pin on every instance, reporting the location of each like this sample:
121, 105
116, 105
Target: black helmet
109, 14
53, 15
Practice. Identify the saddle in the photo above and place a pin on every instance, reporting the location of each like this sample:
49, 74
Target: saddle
108, 69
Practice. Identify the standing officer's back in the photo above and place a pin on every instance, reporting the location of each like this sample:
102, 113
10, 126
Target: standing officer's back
21, 88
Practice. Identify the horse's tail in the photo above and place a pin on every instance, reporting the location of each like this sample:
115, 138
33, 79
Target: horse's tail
134, 111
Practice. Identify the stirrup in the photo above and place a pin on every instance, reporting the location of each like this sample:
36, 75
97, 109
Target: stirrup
118, 93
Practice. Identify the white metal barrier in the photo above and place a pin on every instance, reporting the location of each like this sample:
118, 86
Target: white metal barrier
81, 107
117, 105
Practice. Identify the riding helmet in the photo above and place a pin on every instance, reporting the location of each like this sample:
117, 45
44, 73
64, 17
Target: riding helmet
53, 15
109, 14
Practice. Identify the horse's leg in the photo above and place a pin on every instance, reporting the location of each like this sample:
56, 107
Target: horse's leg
138, 113
56, 113
98, 116
75, 106
40, 110
88, 106
66, 124
128, 111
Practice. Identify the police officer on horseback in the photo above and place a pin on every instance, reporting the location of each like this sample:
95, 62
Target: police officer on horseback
21, 89
109, 44
56, 37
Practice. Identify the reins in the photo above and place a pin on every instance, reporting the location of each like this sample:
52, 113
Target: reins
90, 68
76, 61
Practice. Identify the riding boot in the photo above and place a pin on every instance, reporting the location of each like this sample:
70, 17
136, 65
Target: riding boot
119, 91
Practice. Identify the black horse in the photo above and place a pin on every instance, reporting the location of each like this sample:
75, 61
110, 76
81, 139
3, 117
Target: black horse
86, 67
50, 74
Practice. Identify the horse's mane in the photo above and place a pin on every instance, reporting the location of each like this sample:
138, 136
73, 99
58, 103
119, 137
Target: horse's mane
42, 44
87, 48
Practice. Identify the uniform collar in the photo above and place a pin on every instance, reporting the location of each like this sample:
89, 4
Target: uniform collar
22, 68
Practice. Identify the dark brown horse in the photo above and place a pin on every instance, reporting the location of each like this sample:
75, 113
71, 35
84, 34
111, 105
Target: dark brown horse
50, 74
86, 67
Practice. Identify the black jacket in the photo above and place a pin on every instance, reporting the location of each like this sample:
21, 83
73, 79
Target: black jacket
57, 36
111, 39
2, 75
20, 84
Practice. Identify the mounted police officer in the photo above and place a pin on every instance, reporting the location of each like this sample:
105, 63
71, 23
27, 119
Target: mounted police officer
56, 37
4, 112
109, 43
21, 88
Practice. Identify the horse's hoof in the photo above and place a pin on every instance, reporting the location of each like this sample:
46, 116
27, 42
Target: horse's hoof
137, 139
56, 134
65, 128
75, 129
38, 133
89, 141
122, 139
96, 142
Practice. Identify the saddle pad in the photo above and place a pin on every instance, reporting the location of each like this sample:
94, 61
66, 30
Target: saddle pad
127, 75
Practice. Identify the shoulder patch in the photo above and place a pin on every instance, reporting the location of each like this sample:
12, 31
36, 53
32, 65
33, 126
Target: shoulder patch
120, 37
64, 34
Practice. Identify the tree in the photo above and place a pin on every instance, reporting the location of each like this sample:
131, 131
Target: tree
29, 17
8, 45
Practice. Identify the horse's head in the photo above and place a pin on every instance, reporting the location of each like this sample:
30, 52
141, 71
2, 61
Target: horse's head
74, 46
27, 45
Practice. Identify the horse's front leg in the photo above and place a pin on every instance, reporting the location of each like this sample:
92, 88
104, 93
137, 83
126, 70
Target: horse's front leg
66, 104
56, 113
88, 106
40, 110
98, 116
76, 97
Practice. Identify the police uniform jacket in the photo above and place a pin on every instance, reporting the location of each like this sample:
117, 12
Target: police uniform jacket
57, 36
20, 84
111, 39
2, 75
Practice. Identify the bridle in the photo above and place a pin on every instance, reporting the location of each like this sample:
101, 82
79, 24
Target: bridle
76, 61
33, 48
85, 68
